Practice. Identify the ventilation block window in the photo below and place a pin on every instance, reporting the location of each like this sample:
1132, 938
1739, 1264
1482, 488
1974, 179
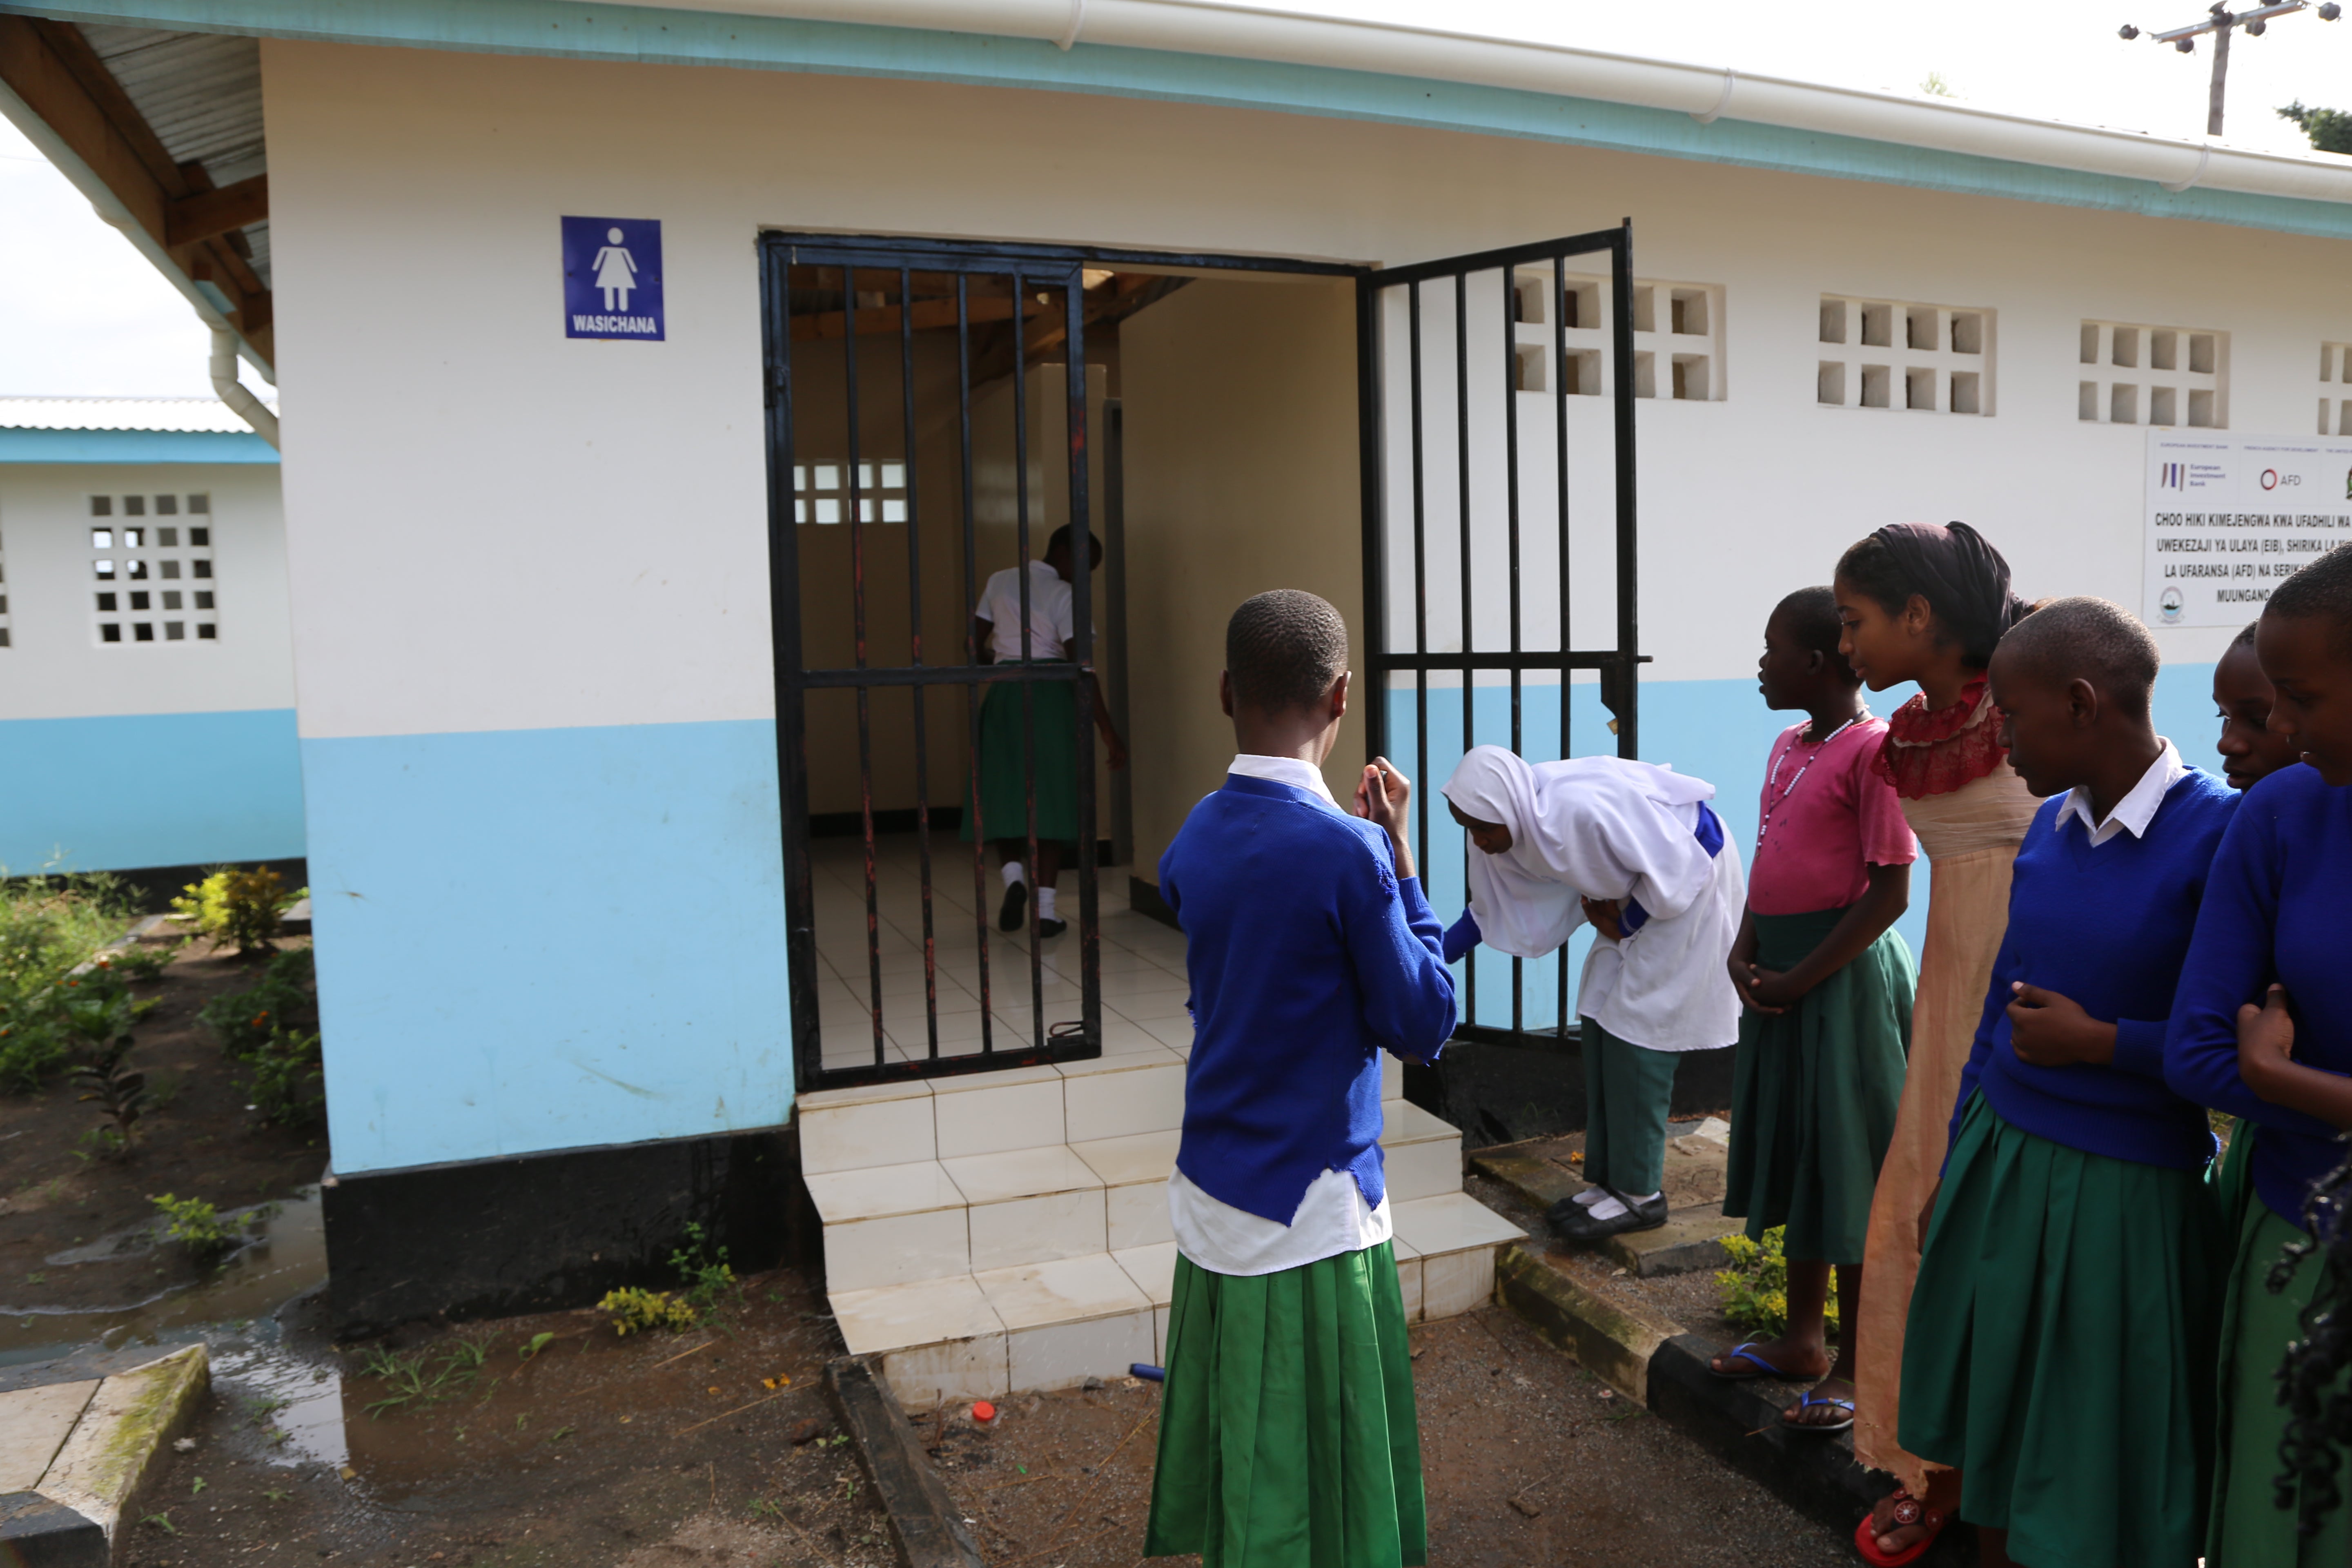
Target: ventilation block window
122, 555
2144, 374
823, 492
1927, 358
1679, 337
2336, 389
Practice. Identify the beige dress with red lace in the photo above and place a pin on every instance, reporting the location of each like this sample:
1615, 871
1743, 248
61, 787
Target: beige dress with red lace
1971, 811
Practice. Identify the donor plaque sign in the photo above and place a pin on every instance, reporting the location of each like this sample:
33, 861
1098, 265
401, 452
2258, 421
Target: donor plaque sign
2231, 517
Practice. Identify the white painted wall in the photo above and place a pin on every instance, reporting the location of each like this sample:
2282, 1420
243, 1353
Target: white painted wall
495, 527
56, 668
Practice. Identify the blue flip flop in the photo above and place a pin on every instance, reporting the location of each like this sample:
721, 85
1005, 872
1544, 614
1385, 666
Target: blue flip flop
1810, 1401
1746, 1352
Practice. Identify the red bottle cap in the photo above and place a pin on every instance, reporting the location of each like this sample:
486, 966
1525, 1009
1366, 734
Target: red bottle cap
983, 1410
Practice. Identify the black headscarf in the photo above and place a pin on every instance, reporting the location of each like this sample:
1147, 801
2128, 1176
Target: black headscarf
1964, 580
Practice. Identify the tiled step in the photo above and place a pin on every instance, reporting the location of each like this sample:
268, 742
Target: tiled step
1053, 1325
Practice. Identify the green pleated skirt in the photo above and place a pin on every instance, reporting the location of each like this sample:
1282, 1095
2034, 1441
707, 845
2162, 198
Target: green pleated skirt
2248, 1526
1287, 1437
1001, 775
2061, 1348
1814, 1092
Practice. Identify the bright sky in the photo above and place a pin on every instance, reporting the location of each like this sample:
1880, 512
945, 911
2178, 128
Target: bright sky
85, 314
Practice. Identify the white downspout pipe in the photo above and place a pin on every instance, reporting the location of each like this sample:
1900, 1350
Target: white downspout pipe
235, 393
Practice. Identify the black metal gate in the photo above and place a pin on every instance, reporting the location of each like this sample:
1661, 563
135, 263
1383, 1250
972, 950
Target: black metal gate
1005, 307
1451, 354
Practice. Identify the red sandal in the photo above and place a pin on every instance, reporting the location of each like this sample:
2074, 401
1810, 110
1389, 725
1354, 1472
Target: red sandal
1909, 1511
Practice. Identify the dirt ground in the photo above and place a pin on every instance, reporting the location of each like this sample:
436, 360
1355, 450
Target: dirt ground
1528, 1459
671, 1449
196, 1140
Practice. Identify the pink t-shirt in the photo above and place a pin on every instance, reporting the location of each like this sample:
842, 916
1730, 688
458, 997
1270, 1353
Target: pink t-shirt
1827, 817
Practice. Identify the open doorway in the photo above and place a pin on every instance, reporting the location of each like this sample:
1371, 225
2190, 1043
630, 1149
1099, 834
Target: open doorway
1223, 426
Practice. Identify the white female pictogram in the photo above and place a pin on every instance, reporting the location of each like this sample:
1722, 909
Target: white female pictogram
617, 271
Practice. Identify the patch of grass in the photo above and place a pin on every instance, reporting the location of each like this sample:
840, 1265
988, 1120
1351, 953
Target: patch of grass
424, 1377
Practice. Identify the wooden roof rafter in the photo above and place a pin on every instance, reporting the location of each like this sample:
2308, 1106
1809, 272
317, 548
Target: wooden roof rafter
53, 69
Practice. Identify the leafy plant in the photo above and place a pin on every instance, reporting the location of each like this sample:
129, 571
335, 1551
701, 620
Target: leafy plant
48, 926
2330, 130
238, 907
286, 1079
140, 962
286, 996
538, 1342
196, 1224
707, 1282
100, 1023
1756, 1286
633, 1310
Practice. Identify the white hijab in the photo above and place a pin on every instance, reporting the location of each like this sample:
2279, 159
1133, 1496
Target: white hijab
1599, 828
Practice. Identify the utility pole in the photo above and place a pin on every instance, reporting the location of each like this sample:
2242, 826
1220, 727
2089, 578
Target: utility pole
2221, 22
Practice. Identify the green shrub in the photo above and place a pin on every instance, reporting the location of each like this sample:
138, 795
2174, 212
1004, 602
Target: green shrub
139, 963
708, 1281
48, 925
1756, 1286
286, 1079
196, 1224
284, 998
630, 1309
238, 907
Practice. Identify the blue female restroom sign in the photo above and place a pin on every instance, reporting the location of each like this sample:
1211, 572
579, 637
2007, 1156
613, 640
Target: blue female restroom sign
613, 278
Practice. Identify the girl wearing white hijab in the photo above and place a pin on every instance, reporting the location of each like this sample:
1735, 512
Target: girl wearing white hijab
1633, 849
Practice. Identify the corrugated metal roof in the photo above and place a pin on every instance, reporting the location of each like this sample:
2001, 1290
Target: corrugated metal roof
201, 94
119, 414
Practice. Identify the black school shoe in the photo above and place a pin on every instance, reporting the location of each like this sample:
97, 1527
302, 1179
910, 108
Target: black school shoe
1051, 929
1016, 900
1577, 1224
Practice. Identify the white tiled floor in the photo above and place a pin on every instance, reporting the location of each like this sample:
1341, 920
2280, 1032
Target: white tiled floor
1004, 1231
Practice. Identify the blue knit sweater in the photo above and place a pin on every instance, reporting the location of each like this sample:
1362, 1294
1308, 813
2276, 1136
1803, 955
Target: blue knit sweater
1308, 958
2278, 908
2108, 927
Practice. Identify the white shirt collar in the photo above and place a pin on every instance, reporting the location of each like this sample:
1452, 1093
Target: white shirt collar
1289, 771
2139, 807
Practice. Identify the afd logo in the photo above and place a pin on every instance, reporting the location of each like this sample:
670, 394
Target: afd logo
2172, 476
2272, 479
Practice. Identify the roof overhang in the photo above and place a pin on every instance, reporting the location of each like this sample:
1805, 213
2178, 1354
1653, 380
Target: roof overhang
142, 138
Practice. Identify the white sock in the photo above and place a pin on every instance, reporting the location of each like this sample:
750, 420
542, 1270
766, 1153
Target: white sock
1011, 872
1589, 1196
1610, 1206
1046, 904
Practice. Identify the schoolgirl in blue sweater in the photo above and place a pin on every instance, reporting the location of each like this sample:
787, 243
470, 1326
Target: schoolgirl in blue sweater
2059, 1345
1287, 1432
2263, 1031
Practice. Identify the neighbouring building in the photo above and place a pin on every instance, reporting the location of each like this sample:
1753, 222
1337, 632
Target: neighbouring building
660, 382
146, 661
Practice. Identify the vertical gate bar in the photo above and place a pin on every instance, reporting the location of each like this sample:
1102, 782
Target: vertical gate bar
1511, 529
1620, 326
1074, 298
785, 630
974, 691
1028, 653
1469, 642
1373, 694
1419, 578
915, 632
855, 493
1559, 452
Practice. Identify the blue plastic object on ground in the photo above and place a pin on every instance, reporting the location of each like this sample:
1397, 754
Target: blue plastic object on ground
1154, 1373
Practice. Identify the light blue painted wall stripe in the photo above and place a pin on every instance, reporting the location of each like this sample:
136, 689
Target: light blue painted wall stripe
648, 35
548, 939
157, 789
133, 446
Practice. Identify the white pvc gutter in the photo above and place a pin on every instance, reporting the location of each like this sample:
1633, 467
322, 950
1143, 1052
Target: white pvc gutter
235, 393
1703, 92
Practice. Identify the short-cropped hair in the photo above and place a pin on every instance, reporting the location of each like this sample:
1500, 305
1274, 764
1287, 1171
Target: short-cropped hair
2322, 589
2093, 639
1285, 650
